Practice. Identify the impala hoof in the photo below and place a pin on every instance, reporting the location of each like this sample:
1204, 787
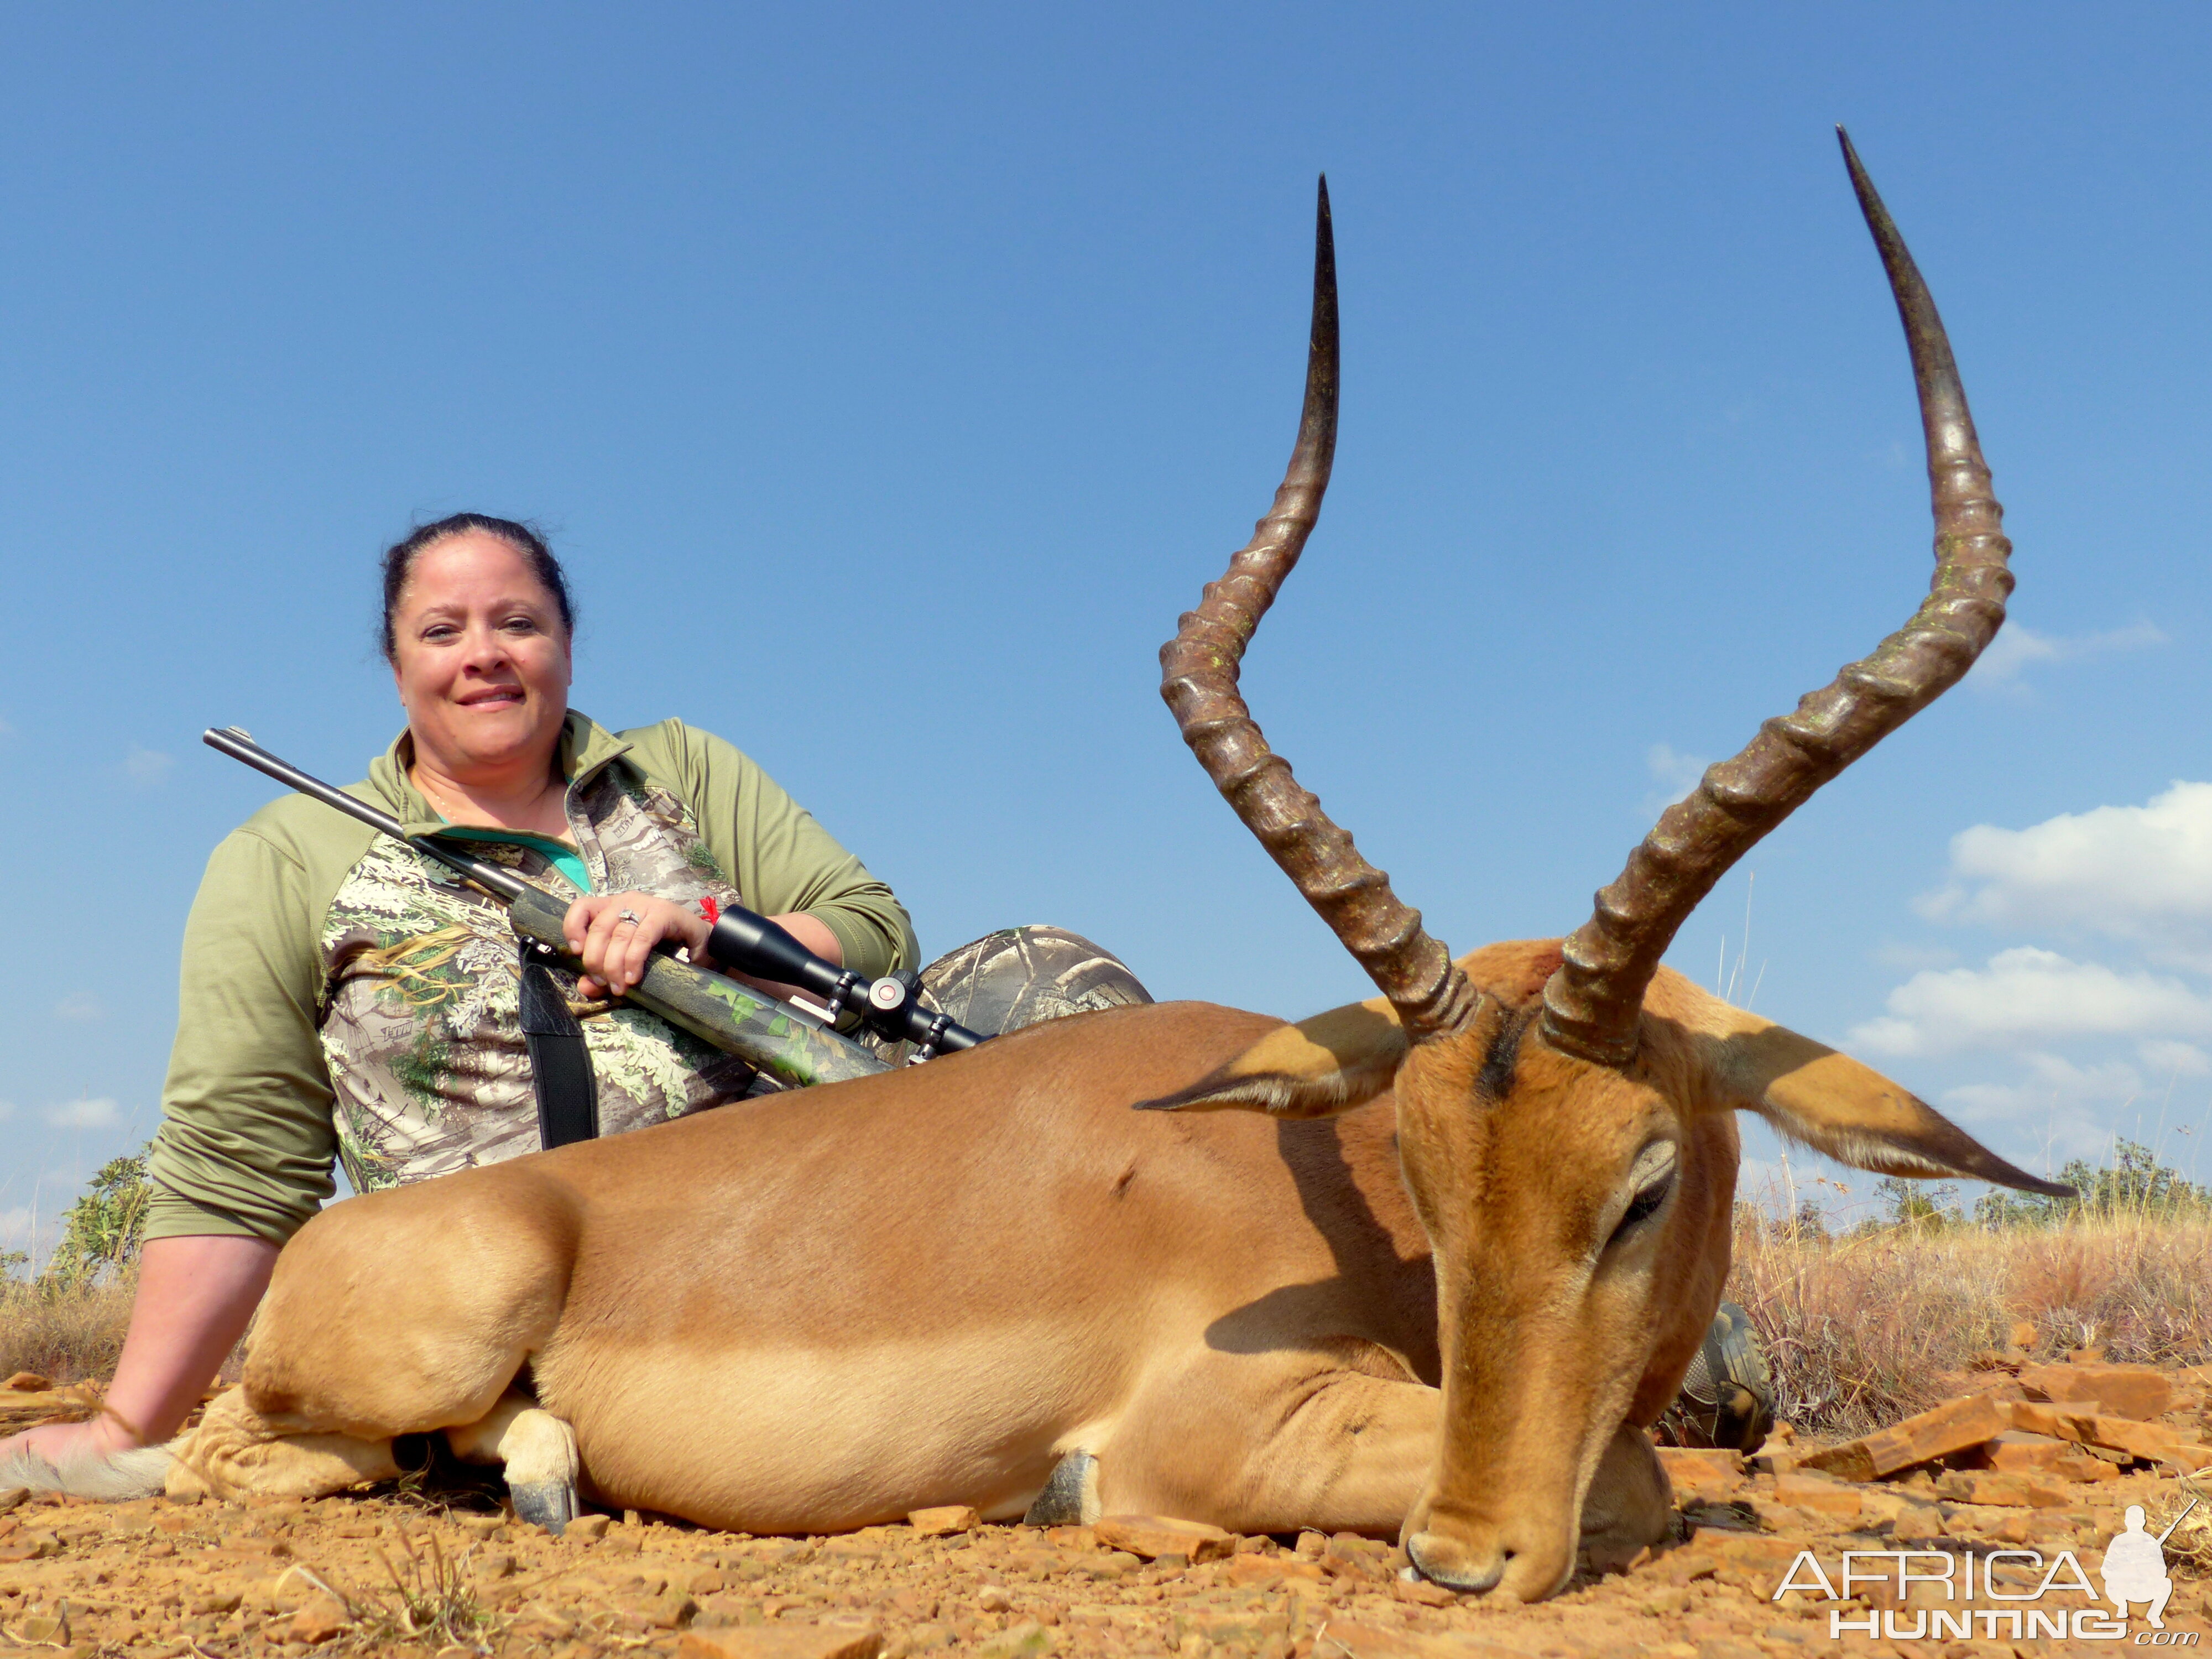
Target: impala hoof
1069, 1498
542, 1470
551, 1505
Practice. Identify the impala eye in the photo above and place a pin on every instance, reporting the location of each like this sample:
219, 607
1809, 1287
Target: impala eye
1645, 1203
1650, 1179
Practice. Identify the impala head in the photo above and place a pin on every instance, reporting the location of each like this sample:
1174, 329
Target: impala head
1566, 1108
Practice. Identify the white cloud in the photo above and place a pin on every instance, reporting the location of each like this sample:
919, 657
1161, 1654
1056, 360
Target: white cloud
2052, 1082
2030, 995
147, 767
2171, 1059
7, 1110
1911, 959
2046, 1039
2142, 873
2074, 1109
2016, 649
82, 1007
1676, 773
98, 1112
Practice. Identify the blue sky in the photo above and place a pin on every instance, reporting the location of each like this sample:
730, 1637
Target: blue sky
892, 378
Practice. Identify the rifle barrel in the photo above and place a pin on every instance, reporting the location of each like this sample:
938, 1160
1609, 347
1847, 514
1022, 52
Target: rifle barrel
240, 746
2176, 1522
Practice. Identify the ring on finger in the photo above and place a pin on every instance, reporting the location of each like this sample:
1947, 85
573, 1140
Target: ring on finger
629, 916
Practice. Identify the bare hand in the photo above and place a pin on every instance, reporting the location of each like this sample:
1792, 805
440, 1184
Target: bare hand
615, 934
195, 1296
59, 1444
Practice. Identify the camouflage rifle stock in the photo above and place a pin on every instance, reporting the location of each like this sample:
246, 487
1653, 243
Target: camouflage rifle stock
790, 1044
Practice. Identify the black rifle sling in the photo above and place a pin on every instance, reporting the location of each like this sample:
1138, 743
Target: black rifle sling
559, 1063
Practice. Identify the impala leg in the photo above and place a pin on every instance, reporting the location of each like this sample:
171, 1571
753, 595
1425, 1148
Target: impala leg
539, 1451
1274, 1442
413, 1310
1631, 1501
236, 1451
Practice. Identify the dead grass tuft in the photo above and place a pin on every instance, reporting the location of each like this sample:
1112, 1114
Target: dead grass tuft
2188, 1546
72, 1334
434, 1599
1860, 1328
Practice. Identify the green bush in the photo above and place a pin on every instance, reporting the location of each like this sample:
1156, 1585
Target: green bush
2134, 1183
103, 1230
1920, 1204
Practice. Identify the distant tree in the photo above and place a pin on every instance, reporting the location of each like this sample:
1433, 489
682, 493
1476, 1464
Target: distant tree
104, 1229
1918, 1205
2002, 1207
2134, 1183
1809, 1224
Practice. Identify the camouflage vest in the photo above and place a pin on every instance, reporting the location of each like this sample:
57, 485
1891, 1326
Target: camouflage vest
419, 1019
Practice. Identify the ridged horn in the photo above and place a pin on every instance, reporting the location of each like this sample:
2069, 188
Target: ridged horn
1199, 668
1593, 1002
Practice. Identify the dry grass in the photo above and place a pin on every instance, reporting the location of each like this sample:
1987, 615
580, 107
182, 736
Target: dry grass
70, 1334
1859, 1328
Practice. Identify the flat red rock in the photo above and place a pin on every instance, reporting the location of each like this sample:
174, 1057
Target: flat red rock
1952, 1426
944, 1520
2135, 1391
782, 1641
1154, 1535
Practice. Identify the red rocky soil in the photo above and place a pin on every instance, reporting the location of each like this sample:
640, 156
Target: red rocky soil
2043, 1458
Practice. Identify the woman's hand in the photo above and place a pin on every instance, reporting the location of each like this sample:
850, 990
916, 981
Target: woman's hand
615, 950
195, 1296
58, 1445
615, 934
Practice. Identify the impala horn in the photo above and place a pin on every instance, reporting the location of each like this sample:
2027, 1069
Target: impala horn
1593, 1002
1199, 670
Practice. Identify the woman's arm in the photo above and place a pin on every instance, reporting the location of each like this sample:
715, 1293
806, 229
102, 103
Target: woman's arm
246, 1138
814, 934
195, 1296
782, 861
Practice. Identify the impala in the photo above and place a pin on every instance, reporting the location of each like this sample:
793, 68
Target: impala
1424, 1266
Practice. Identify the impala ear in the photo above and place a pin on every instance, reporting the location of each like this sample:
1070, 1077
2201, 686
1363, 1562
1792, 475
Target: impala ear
1855, 1114
1315, 1068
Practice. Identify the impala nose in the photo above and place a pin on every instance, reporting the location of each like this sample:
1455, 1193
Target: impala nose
1446, 1561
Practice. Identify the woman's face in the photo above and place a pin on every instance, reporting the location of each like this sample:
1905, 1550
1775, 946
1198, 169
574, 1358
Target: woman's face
481, 659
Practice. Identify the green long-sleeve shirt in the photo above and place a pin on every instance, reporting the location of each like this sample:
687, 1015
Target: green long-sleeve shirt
344, 997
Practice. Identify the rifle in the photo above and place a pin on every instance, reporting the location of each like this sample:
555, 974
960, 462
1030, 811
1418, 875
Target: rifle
791, 1043
2176, 1522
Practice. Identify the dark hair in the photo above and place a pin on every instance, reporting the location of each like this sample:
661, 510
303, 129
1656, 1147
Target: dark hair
399, 563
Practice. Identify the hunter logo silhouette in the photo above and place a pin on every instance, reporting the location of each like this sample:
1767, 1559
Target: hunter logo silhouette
2015, 1595
2135, 1567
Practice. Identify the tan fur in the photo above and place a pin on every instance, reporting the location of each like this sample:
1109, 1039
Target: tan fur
236, 1451
826, 1309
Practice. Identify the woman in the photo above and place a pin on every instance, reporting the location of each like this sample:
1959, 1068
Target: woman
343, 996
